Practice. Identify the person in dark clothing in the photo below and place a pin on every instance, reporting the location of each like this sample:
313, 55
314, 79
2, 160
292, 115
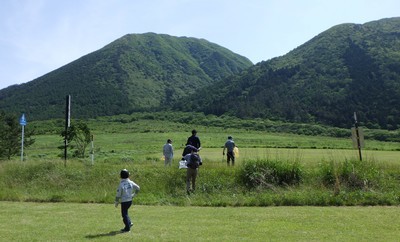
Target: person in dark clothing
194, 140
192, 143
187, 150
193, 161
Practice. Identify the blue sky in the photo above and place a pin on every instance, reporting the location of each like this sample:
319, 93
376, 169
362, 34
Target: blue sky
39, 36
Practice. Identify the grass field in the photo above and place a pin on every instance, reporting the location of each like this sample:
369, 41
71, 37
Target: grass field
137, 146
123, 145
101, 222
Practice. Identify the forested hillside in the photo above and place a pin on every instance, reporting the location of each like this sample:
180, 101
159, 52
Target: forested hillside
348, 68
136, 72
345, 69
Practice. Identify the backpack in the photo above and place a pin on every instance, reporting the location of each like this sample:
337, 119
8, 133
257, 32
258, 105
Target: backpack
187, 150
194, 161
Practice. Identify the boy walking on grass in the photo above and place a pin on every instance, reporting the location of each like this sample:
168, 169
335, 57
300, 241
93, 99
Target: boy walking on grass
127, 189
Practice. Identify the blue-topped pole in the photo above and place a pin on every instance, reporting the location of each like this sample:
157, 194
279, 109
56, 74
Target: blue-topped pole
22, 122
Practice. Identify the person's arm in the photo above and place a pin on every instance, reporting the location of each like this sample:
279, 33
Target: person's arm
187, 158
188, 141
165, 151
136, 189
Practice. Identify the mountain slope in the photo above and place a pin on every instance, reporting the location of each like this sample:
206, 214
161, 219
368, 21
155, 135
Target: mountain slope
135, 72
348, 68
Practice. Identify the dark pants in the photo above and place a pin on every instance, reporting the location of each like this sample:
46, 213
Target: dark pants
125, 217
191, 175
230, 156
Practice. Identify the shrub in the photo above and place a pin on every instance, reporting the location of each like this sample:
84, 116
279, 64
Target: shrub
350, 174
269, 173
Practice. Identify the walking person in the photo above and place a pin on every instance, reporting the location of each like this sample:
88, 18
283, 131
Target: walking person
193, 161
230, 155
126, 190
168, 153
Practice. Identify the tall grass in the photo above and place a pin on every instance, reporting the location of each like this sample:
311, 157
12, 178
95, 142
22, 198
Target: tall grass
269, 173
253, 183
351, 174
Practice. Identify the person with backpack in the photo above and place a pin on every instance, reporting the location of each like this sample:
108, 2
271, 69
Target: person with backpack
126, 190
193, 161
187, 150
230, 146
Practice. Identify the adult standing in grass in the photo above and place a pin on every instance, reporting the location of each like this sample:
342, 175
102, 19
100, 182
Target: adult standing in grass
230, 155
127, 189
193, 161
194, 140
168, 153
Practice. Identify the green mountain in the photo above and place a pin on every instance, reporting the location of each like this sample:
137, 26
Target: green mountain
136, 72
348, 68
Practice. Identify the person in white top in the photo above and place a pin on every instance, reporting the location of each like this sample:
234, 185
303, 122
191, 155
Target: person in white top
168, 153
126, 190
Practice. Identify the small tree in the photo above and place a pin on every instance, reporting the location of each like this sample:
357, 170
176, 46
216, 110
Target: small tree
78, 137
10, 136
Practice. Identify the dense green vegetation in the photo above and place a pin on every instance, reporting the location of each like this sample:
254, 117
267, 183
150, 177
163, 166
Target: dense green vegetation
183, 121
260, 183
273, 169
348, 68
10, 138
135, 72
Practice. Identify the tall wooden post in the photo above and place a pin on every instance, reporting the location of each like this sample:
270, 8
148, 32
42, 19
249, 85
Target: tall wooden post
357, 136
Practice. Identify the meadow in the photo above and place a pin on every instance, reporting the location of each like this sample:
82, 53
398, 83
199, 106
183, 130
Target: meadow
335, 197
273, 169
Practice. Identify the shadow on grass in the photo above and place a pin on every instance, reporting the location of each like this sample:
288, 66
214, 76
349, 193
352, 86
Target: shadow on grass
112, 233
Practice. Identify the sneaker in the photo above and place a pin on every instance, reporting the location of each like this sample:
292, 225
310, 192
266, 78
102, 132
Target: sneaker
124, 230
130, 226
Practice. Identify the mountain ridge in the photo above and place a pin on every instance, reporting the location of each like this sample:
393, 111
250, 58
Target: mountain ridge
345, 69
133, 73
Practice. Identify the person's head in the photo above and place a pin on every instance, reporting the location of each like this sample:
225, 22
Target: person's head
229, 137
169, 141
194, 132
124, 173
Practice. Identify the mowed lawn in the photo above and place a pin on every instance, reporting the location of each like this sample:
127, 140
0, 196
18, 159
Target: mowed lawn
21, 221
